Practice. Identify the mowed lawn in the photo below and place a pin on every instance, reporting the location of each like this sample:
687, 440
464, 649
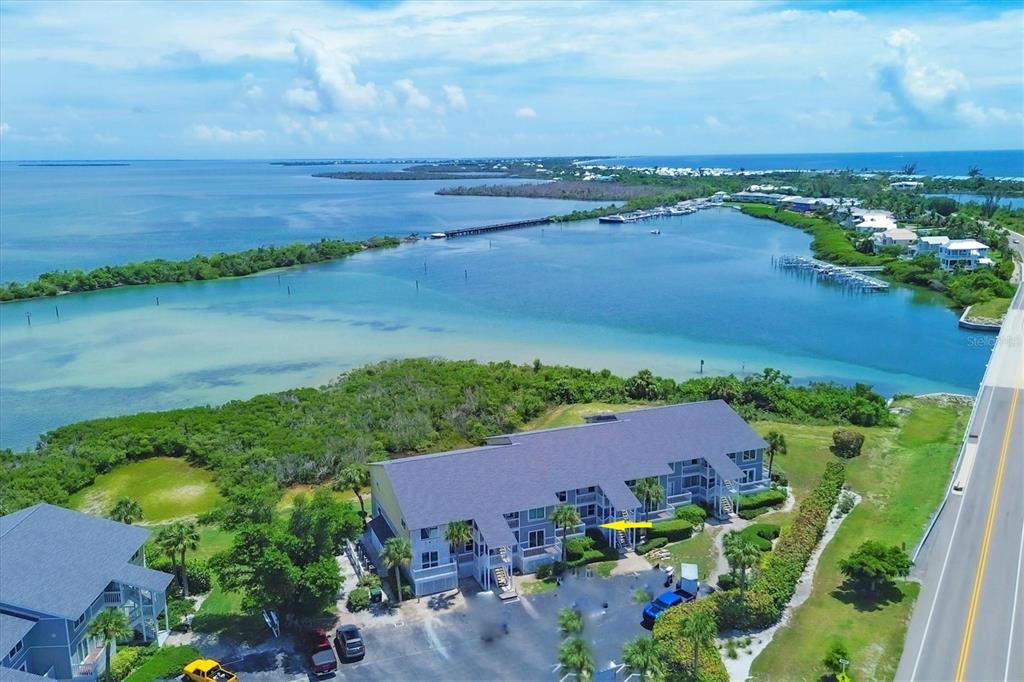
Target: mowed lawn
570, 415
699, 549
902, 475
166, 488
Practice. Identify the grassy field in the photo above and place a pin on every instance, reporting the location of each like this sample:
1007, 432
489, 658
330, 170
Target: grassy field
166, 663
287, 500
700, 550
992, 309
569, 415
166, 488
901, 474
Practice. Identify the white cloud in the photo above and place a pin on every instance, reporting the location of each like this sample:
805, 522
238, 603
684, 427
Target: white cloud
206, 133
413, 98
455, 97
302, 98
713, 122
526, 112
332, 76
5, 128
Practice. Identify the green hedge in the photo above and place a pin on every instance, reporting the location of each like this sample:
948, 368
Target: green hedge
693, 513
166, 663
129, 658
768, 593
653, 543
674, 530
358, 599
765, 498
761, 535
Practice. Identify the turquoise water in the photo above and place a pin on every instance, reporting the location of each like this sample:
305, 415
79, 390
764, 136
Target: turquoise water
964, 198
587, 294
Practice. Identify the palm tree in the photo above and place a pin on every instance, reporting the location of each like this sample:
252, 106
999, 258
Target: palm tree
458, 533
646, 656
741, 555
354, 477
397, 552
126, 510
177, 539
570, 621
650, 492
565, 517
700, 628
575, 658
110, 625
776, 446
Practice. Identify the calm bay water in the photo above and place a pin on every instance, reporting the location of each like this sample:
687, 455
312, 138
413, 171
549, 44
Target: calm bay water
586, 294
1008, 163
73, 217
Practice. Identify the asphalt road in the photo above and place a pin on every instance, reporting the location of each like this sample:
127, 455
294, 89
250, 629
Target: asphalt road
969, 621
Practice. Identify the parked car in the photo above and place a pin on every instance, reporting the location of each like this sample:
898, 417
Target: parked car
349, 642
664, 602
208, 670
321, 654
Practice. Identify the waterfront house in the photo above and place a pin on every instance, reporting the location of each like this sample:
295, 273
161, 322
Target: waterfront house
966, 254
930, 244
757, 197
895, 237
906, 186
506, 489
60, 568
868, 220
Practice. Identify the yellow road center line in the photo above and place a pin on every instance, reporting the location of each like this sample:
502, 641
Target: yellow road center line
986, 540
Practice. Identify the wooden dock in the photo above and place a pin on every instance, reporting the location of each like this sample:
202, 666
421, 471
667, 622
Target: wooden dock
833, 274
497, 227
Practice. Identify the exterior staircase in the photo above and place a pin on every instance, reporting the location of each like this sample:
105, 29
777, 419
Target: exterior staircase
505, 592
503, 553
621, 534
726, 506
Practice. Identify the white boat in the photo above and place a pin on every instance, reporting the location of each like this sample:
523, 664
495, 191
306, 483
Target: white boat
611, 219
655, 231
437, 235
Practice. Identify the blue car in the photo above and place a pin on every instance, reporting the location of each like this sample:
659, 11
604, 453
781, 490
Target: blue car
663, 602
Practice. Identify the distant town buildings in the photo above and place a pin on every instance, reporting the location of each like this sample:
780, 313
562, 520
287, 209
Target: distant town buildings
906, 186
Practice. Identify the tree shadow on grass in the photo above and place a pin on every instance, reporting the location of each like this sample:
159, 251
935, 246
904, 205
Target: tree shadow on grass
861, 598
240, 627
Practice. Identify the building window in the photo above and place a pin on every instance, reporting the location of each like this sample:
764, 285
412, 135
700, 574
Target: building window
80, 620
537, 513
749, 456
17, 647
692, 481
428, 559
536, 538
468, 547
694, 461
562, 496
591, 510
428, 533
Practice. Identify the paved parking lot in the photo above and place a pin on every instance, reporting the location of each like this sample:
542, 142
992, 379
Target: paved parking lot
485, 640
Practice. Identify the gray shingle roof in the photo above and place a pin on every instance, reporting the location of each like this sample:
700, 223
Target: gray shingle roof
529, 470
12, 675
57, 561
142, 577
12, 630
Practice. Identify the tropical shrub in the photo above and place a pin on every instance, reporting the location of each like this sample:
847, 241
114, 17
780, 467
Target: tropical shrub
652, 543
128, 658
358, 599
765, 498
692, 513
577, 546
847, 443
727, 581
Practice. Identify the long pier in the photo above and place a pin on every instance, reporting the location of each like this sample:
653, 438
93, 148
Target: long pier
497, 227
836, 274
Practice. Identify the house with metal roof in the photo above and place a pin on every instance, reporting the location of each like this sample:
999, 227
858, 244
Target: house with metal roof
507, 489
966, 254
58, 570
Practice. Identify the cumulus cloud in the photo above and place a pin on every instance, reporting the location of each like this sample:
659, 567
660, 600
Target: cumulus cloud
332, 76
713, 122
302, 98
927, 94
455, 97
5, 128
413, 98
526, 112
207, 133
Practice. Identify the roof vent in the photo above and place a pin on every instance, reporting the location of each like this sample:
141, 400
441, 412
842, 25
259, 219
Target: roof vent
600, 418
499, 440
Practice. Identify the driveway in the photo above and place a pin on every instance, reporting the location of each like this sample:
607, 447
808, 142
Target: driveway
487, 639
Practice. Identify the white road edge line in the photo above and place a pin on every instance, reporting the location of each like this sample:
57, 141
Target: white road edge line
1016, 601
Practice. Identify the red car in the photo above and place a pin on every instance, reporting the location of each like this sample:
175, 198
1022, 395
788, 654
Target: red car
322, 660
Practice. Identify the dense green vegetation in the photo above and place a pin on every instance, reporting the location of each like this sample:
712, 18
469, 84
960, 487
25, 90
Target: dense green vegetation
901, 476
160, 271
637, 204
830, 241
389, 409
559, 189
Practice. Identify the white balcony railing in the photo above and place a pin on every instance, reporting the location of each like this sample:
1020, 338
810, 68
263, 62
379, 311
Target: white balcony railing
435, 572
550, 548
111, 597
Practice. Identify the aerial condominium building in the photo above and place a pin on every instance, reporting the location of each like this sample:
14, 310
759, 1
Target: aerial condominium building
507, 489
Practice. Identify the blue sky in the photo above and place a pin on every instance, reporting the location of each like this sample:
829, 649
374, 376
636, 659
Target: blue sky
361, 79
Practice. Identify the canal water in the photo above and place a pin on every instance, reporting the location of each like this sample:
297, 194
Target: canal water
588, 294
